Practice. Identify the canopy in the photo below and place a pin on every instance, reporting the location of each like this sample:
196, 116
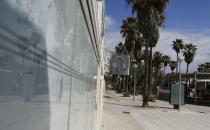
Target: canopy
202, 80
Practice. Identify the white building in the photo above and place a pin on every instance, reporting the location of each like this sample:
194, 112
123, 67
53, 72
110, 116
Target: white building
51, 64
108, 55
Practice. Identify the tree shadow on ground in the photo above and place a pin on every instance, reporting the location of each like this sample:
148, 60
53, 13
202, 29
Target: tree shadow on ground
139, 106
118, 104
156, 107
199, 102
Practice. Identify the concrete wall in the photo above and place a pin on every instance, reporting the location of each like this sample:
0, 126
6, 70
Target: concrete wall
50, 54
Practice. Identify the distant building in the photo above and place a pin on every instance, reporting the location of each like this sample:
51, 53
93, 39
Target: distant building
108, 55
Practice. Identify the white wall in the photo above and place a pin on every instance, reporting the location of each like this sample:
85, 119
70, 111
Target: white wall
47, 65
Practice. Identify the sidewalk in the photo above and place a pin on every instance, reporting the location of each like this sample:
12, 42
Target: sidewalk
121, 113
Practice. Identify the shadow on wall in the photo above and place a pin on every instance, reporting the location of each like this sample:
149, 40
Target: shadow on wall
24, 94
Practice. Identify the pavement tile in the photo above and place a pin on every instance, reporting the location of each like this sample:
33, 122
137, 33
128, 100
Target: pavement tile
122, 113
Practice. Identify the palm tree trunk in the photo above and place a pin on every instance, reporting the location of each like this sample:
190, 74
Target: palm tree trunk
145, 96
187, 68
164, 70
187, 73
177, 56
150, 72
164, 78
156, 75
127, 92
140, 66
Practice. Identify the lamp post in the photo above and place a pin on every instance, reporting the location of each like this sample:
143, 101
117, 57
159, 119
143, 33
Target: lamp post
180, 60
135, 66
130, 80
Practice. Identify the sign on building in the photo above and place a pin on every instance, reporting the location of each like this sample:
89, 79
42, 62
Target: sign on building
119, 64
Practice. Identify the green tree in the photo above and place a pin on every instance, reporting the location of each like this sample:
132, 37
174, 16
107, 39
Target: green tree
129, 31
150, 14
189, 54
119, 48
177, 45
166, 61
157, 62
202, 68
173, 65
152, 43
207, 66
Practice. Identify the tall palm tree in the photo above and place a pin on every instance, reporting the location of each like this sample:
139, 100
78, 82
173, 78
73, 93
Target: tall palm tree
157, 62
150, 14
166, 61
130, 32
189, 54
152, 43
177, 45
172, 65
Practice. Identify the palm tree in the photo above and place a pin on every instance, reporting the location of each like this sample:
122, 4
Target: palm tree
207, 66
130, 32
157, 62
202, 68
150, 14
189, 54
166, 61
178, 45
119, 48
152, 43
172, 65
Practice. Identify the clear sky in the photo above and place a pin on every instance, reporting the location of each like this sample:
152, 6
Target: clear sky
186, 19
181, 14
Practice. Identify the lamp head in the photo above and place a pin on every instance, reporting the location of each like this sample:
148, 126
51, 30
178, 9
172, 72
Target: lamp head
142, 62
135, 66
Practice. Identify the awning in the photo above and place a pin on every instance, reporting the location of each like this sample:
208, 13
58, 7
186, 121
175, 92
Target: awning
203, 80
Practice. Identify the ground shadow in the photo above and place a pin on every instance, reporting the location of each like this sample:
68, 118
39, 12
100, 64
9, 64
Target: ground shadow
139, 106
200, 102
118, 104
156, 107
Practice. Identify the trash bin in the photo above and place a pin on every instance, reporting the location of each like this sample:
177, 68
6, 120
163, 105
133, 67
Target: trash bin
175, 92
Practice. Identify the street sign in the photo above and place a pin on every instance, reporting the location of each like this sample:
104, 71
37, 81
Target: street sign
119, 64
175, 92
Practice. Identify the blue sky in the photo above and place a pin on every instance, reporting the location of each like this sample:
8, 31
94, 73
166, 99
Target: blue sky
181, 14
186, 19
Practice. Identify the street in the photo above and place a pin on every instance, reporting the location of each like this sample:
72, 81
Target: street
121, 113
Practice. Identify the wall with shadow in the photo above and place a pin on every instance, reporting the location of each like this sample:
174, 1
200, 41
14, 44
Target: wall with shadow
24, 87
47, 65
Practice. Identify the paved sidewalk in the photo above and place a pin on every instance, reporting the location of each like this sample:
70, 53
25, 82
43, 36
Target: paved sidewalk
121, 113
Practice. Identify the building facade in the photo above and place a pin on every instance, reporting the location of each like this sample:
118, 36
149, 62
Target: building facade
51, 64
108, 56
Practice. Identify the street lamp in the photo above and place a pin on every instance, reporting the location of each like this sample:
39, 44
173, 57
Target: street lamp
135, 66
180, 60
